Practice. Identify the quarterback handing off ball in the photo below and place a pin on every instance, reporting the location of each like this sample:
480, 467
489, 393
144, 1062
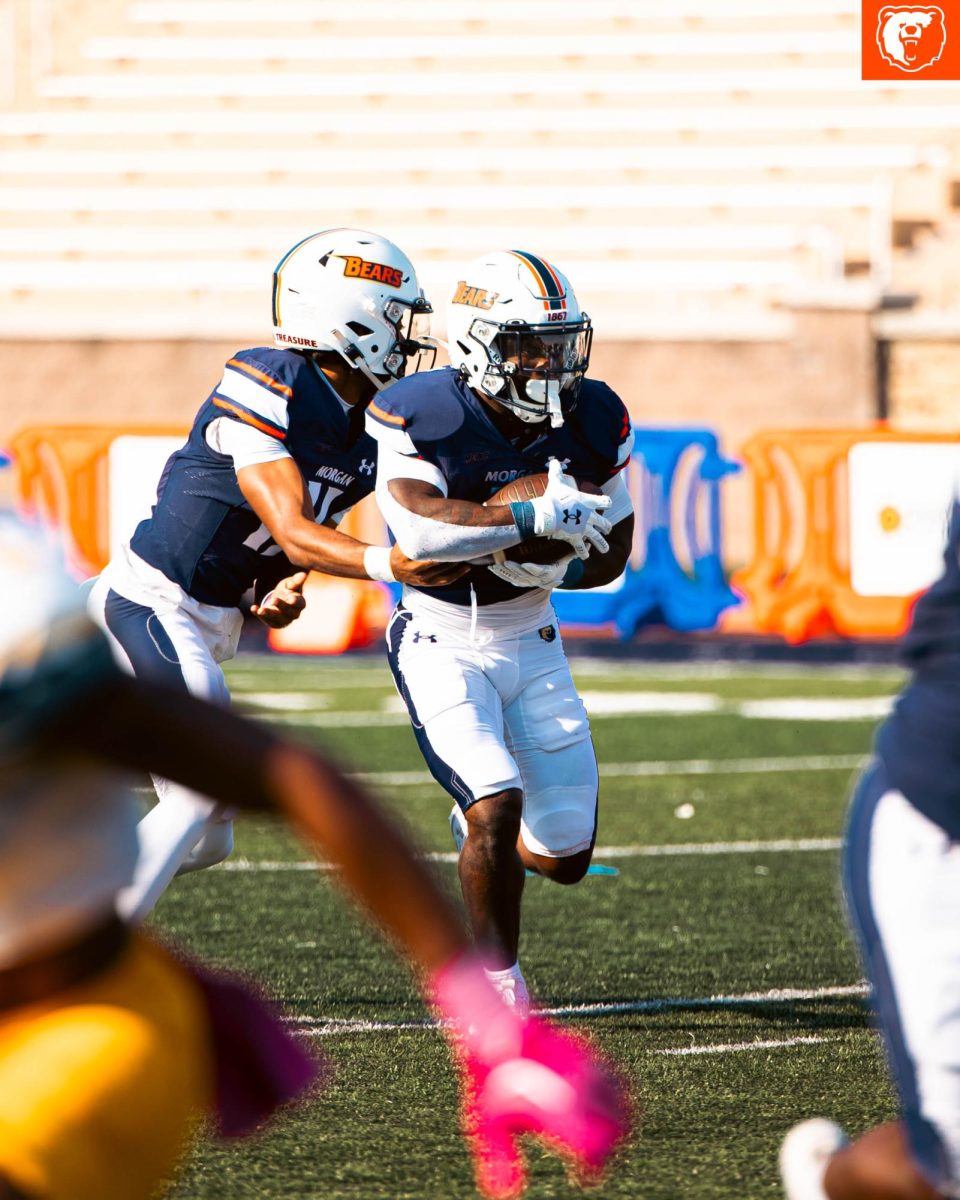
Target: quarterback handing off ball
539, 549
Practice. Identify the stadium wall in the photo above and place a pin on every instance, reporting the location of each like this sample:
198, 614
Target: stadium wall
824, 374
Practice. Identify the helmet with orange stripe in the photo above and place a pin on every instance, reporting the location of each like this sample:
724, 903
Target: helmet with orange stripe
516, 332
356, 294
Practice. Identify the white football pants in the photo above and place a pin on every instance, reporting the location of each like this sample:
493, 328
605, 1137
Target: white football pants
493, 706
184, 831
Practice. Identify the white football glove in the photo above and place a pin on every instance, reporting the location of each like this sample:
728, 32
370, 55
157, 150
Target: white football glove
533, 575
574, 517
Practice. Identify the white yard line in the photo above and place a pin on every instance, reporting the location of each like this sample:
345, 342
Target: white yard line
600, 706
585, 668
781, 846
289, 701
667, 767
740, 1047
774, 996
327, 1026
373, 672
664, 767
340, 720
736, 766
817, 708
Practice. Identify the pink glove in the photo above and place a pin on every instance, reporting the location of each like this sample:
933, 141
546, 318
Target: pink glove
526, 1077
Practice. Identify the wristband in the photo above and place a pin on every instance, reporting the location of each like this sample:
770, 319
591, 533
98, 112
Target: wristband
573, 574
524, 518
376, 563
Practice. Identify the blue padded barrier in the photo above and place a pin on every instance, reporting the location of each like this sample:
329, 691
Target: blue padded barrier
660, 590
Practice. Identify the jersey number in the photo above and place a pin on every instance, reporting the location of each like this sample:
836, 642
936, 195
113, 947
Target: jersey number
261, 540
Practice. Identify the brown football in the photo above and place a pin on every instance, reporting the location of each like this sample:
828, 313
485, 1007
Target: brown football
540, 549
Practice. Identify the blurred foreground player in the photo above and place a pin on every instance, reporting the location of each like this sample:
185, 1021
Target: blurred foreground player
902, 883
111, 1048
276, 457
479, 662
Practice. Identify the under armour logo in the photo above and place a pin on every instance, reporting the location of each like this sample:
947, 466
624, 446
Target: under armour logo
366, 468
571, 516
424, 637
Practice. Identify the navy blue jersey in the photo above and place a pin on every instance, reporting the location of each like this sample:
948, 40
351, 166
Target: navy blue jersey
202, 533
448, 426
920, 741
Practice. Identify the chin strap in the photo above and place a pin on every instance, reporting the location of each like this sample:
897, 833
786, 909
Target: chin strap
351, 354
544, 392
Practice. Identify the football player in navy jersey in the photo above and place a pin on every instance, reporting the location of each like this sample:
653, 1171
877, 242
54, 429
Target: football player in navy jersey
479, 661
901, 869
111, 1047
276, 456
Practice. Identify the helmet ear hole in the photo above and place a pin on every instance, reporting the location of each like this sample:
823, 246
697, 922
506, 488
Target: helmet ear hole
359, 329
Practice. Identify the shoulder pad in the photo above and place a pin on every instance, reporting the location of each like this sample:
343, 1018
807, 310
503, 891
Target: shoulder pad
605, 423
257, 387
421, 408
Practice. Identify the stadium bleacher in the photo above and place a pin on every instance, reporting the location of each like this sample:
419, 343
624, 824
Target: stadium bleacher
712, 164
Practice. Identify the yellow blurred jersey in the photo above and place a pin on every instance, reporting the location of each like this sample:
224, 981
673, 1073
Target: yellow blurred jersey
102, 1085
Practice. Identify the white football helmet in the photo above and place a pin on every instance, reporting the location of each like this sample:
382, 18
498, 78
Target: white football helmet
517, 334
354, 293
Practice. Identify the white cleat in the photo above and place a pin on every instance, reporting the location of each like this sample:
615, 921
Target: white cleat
458, 827
804, 1155
514, 994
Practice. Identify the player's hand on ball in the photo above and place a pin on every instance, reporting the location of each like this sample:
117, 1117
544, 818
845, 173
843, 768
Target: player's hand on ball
284, 604
572, 516
526, 1077
532, 575
423, 573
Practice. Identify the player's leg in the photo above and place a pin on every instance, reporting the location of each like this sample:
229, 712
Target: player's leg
902, 880
549, 734
204, 677
457, 720
492, 875
878, 1166
184, 830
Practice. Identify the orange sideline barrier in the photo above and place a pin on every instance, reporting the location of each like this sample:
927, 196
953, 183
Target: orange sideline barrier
60, 474
799, 583
341, 613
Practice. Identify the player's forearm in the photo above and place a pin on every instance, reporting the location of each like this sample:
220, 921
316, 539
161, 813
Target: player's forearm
243, 764
377, 865
600, 569
313, 547
445, 530
463, 512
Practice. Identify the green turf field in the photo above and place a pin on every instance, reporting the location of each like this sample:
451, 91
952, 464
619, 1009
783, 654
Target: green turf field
716, 968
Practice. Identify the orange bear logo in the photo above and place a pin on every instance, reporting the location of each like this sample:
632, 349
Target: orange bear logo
911, 38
